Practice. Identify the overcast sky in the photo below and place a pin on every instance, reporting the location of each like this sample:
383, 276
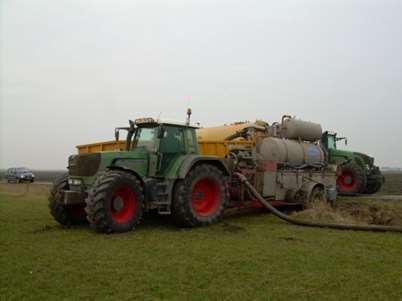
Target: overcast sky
70, 71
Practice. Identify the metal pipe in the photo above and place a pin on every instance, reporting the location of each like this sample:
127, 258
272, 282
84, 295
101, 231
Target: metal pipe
289, 219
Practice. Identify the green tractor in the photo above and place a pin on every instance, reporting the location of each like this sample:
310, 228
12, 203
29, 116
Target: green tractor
161, 169
358, 174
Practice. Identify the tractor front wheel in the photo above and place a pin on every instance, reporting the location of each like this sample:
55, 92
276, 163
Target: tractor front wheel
352, 181
64, 214
115, 202
200, 199
375, 182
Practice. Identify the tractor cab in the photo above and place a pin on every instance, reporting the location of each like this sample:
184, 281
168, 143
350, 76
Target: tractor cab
165, 142
329, 140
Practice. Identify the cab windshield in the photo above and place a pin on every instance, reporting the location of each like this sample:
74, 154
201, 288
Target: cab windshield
145, 137
331, 142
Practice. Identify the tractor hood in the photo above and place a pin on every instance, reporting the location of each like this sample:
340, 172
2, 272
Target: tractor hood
367, 159
87, 165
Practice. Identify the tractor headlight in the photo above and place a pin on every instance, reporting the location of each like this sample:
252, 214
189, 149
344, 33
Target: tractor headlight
75, 182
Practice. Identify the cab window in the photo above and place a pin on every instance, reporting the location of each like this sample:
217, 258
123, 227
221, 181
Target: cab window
172, 140
191, 140
145, 137
331, 142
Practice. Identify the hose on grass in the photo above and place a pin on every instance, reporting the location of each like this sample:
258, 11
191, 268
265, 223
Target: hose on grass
291, 220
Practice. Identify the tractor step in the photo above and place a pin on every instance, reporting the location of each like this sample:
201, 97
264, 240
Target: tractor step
162, 195
163, 208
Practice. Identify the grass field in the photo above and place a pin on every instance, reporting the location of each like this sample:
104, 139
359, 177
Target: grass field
253, 256
393, 183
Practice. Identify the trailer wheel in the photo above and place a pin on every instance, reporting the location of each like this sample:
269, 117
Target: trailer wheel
115, 202
200, 199
318, 195
64, 215
352, 181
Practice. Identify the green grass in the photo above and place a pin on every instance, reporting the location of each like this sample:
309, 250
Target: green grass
393, 183
247, 257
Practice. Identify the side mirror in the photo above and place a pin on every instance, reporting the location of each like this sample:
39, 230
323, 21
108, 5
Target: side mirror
346, 141
116, 134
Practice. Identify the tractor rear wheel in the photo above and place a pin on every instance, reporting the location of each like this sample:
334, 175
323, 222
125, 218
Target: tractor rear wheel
63, 214
115, 202
200, 199
352, 181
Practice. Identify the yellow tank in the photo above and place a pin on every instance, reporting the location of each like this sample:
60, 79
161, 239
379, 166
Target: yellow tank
219, 133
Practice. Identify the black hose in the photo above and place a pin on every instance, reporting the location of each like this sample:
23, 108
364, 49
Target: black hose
273, 210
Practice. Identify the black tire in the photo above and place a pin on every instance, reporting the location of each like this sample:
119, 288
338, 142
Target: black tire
374, 182
317, 195
115, 203
352, 181
200, 199
64, 215
373, 187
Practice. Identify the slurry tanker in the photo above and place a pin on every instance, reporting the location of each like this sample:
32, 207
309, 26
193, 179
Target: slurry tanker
180, 170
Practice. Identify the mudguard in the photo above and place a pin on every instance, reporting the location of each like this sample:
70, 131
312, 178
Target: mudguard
193, 160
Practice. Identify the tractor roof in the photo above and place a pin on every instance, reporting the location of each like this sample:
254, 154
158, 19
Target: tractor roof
153, 122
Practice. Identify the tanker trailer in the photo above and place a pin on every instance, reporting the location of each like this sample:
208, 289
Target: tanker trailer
357, 173
285, 171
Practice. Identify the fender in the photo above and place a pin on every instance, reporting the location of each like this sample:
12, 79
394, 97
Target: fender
193, 160
308, 188
136, 166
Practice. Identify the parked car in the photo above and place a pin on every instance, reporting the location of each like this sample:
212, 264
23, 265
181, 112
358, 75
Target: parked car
19, 175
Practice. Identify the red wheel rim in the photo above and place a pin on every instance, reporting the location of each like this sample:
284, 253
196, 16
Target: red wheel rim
205, 197
347, 181
123, 204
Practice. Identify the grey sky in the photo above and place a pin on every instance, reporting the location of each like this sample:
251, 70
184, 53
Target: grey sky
72, 70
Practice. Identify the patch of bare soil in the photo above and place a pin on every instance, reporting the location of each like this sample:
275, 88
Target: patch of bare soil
355, 212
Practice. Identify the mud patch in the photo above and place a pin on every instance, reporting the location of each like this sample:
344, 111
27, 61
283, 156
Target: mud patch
44, 229
355, 212
291, 239
230, 228
375, 213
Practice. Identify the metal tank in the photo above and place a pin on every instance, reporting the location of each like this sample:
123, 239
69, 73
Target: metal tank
219, 133
291, 152
292, 128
